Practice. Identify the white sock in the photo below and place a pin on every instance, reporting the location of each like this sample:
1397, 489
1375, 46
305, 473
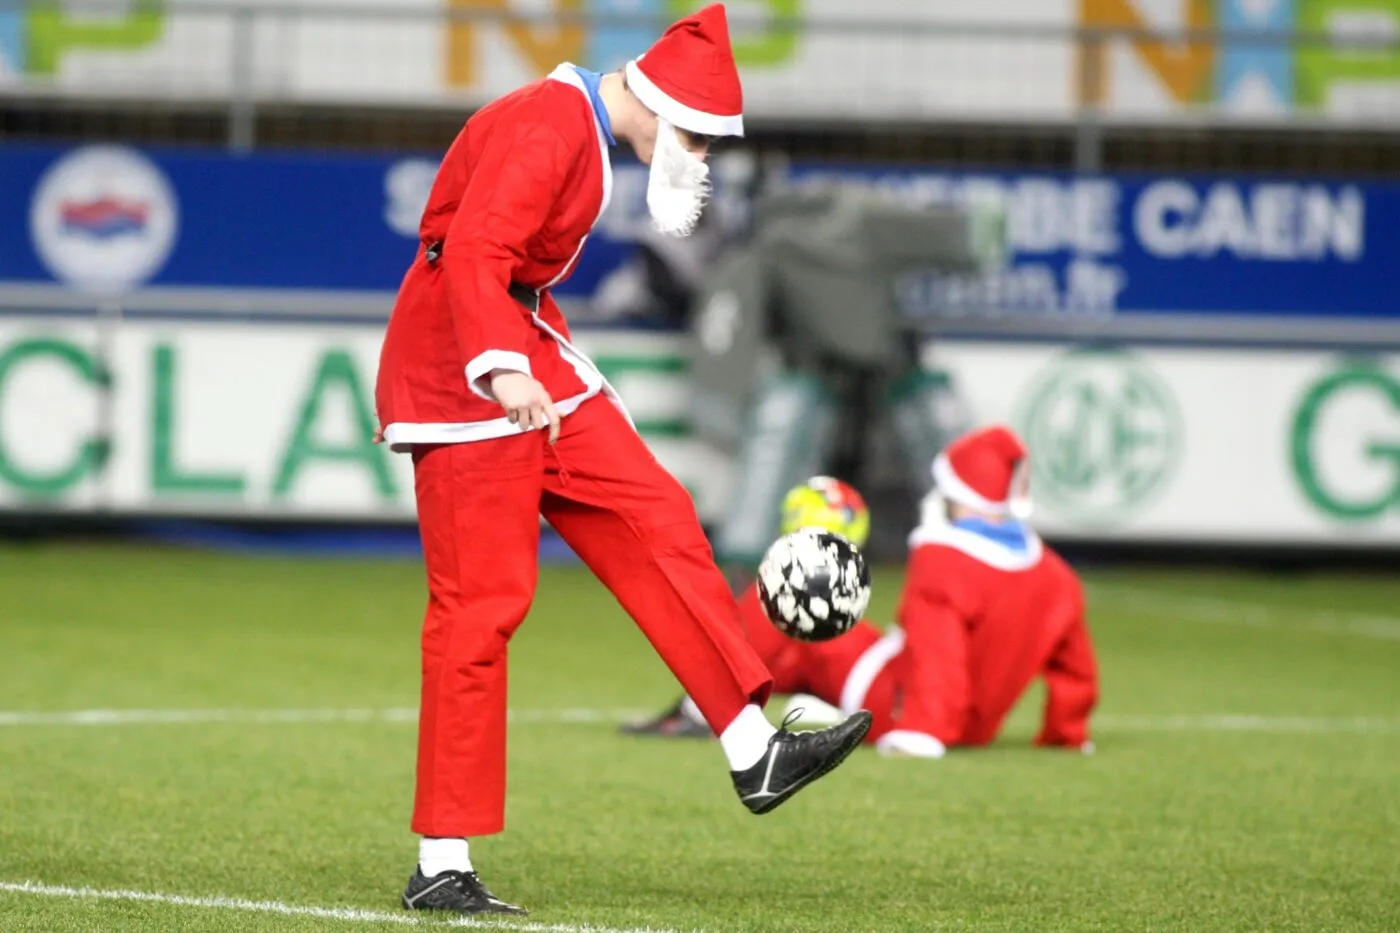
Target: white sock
689, 708
745, 740
436, 856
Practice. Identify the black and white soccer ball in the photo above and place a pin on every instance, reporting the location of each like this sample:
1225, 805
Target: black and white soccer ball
814, 584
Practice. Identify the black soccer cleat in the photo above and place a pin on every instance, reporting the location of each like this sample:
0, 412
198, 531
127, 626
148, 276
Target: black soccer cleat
796, 759
674, 723
460, 892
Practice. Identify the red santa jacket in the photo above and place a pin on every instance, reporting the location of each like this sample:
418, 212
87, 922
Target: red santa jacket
513, 202
978, 622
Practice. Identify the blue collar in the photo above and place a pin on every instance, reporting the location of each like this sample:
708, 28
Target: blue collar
591, 80
1012, 535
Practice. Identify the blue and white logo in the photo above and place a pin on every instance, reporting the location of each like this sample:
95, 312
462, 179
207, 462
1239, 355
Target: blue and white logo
104, 219
408, 184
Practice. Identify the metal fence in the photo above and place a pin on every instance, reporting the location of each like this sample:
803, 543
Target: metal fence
1081, 81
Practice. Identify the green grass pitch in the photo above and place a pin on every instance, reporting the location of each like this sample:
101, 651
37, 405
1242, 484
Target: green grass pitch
1247, 774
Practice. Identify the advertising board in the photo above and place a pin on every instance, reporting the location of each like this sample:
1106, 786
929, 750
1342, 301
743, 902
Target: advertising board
801, 59
1189, 444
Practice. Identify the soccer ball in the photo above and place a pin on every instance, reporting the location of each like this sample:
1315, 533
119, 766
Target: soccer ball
826, 502
813, 584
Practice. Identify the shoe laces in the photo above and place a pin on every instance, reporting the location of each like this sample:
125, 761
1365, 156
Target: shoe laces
472, 880
467, 882
792, 716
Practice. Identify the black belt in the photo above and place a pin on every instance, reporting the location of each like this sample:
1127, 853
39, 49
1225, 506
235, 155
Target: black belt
524, 294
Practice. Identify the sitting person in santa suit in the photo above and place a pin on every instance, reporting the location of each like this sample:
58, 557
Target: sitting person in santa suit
987, 608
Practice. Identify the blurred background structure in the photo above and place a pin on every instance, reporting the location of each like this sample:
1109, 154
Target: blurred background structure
206, 207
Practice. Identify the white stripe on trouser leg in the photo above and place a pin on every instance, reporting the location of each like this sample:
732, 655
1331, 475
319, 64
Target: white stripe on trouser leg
868, 667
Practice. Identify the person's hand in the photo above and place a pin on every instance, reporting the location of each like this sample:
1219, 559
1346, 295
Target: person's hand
379, 437
526, 402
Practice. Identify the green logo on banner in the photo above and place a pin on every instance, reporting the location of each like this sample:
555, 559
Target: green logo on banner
1346, 443
89, 457
1105, 436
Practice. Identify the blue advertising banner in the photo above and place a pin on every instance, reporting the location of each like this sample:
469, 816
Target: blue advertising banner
1102, 246
113, 218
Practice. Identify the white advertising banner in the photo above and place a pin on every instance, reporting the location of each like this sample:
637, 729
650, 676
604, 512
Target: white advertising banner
977, 59
247, 421
235, 420
1198, 444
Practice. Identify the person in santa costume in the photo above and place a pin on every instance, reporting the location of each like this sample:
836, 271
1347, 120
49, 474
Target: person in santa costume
507, 420
987, 608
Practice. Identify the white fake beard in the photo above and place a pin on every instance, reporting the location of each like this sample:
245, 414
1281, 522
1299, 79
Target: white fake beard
679, 184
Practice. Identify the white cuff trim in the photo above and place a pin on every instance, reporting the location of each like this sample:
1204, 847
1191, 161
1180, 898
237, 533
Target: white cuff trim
677, 113
908, 742
479, 370
402, 436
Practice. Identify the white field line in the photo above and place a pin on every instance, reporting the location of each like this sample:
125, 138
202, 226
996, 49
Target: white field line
1171, 605
347, 914
1206, 722
1364, 725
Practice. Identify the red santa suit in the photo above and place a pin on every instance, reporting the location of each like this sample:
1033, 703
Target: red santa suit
985, 610
514, 200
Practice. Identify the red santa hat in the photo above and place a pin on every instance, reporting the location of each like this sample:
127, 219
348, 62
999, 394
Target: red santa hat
688, 77
986, 470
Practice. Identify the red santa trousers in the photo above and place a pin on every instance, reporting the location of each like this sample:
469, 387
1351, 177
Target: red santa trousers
635, 527
819, 669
